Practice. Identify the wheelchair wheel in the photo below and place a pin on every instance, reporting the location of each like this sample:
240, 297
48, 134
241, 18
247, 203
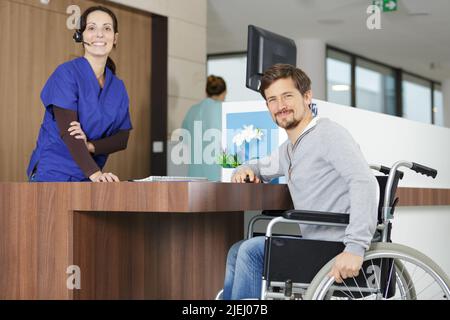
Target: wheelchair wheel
390, 271
219, 295
403, 279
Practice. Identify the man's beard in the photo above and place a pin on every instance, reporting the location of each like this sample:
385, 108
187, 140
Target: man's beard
287, 124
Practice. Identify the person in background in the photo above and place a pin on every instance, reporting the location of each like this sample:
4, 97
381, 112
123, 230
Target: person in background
86, 109
208, 114
325, 171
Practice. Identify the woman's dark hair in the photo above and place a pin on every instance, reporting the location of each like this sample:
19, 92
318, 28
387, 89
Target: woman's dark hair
283, 71
83, 23
215, 86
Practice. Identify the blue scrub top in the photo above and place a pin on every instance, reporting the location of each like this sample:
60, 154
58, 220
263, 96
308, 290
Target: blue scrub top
101, 112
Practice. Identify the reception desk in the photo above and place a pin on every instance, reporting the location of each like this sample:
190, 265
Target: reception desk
130, 240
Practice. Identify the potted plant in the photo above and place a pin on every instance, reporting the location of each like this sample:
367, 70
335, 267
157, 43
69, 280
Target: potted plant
241, 141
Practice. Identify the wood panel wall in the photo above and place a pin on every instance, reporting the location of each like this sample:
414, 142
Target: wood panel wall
34, 41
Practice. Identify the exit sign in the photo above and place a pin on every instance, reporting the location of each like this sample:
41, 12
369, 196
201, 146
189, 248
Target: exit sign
386, 5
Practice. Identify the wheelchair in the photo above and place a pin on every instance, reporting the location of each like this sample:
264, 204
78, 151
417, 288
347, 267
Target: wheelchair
390, 271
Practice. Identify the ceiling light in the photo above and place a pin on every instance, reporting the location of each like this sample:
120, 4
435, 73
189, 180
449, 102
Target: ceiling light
330, 22
418, 14
340, 87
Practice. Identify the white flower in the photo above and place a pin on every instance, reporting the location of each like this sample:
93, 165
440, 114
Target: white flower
248, 134
238, 139
258, 134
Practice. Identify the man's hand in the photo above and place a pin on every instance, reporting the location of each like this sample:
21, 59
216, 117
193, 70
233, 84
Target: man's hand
242, 174
347, 265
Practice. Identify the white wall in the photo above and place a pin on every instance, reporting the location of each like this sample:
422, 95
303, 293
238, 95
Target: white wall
385, 139
233, 71
425, 229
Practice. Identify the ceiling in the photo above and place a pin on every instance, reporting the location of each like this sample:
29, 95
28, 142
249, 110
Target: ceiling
416, 37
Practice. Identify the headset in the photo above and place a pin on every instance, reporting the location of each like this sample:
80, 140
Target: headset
78, 36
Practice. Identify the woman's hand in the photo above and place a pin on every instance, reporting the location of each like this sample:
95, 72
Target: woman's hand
75, 130
104, 177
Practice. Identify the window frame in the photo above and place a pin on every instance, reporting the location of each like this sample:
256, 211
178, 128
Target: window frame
397, 73
341, 60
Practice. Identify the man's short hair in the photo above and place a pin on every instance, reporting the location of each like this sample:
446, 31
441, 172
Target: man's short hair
283, 71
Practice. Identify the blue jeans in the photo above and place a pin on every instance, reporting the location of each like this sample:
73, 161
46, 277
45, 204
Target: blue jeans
243, 274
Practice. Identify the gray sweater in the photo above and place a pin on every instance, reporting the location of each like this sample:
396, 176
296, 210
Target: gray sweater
326, 171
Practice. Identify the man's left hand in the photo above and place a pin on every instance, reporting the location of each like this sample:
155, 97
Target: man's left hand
347, 265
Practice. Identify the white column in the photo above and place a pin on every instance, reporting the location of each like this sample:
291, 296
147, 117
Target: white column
311, 55
446, 98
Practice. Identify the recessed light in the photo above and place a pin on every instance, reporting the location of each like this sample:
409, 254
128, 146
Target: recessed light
340, 87
417, 14
330, 21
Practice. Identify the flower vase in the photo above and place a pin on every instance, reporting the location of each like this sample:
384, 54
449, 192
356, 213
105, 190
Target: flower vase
225, 174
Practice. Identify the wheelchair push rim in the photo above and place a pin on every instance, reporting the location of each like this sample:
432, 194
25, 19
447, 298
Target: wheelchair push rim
419, 277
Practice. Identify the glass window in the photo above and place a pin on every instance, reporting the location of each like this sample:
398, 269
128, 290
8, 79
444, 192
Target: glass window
438, 108
232, 69
416, 99
338, 77
375, 87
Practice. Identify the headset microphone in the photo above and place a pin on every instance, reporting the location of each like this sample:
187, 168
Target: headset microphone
78, 37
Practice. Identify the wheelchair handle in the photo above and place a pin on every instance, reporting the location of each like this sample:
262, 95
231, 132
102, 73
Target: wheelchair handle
385, 170
411, 165
419, 168
387, 195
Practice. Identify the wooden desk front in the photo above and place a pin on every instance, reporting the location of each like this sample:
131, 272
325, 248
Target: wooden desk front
130, 240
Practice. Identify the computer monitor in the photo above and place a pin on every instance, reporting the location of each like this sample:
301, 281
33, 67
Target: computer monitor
264, 49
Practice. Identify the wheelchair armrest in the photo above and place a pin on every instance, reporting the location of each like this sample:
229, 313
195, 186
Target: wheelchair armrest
273, 213
304, 215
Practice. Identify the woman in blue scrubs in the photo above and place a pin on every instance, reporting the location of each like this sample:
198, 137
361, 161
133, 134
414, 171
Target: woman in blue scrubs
87, 109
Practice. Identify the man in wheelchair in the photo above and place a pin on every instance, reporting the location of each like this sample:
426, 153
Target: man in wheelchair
325, 171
